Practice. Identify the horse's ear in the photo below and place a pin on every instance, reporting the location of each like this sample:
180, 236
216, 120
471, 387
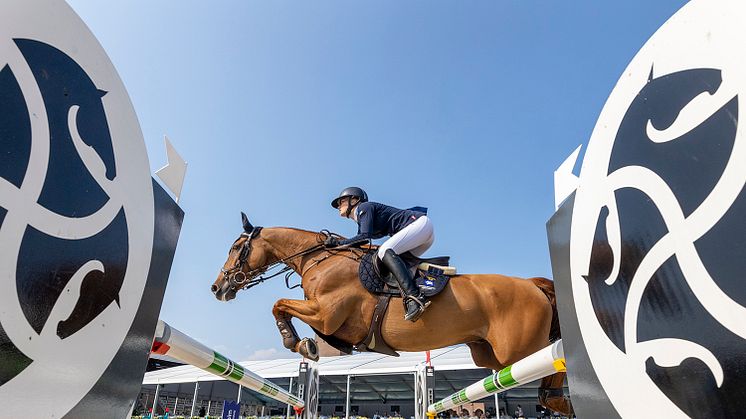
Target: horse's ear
247, 227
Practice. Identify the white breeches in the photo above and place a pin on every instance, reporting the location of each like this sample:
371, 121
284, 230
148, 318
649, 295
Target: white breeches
415, 238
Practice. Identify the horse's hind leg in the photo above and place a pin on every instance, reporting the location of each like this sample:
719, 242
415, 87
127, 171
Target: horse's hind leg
483, 355
551, 395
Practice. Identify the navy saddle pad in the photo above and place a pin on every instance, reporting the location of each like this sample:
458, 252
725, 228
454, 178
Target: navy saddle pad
431, 282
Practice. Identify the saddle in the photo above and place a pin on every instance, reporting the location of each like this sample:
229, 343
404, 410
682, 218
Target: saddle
431, 274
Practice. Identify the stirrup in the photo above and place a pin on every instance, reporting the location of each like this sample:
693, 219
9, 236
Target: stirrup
421, 308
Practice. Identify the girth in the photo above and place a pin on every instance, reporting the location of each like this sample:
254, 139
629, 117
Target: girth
374, 342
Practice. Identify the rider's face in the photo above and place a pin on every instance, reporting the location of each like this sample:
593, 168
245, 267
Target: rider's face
344, 205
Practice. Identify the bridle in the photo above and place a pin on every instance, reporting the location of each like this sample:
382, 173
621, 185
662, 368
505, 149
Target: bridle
239, 280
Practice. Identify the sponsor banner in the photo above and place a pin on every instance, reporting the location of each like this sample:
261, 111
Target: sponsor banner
231, 410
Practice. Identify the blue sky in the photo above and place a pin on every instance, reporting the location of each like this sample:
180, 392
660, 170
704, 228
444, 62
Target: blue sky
466, 107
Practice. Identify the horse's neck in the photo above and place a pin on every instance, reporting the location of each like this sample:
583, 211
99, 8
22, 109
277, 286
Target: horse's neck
286, 242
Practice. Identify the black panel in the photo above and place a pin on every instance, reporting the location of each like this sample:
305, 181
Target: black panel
691, 164
120, 383
670, 309
641, 227
15, 129
69, 188
15, 148
46, 264
722, 251
588, 396
13, 360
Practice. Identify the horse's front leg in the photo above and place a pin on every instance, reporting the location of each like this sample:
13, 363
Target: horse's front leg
307, 311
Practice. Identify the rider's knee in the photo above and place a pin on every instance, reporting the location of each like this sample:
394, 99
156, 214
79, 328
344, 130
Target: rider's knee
382, 250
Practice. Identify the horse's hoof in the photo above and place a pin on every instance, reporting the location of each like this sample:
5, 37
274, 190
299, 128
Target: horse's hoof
308, 348
559, 404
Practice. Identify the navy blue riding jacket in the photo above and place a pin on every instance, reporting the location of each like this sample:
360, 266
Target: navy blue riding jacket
376, 220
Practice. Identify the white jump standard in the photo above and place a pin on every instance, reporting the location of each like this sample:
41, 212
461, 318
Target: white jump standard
543, 363
172, 342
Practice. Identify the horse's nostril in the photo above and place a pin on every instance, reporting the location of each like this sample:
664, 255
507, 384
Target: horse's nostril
214, 288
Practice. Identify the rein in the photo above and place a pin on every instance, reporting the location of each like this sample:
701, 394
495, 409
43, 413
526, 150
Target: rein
240, 280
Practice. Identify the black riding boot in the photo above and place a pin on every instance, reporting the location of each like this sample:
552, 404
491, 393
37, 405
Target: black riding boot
414, 301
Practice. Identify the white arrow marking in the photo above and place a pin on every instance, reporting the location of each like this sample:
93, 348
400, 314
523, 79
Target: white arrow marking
565, 182
173, 173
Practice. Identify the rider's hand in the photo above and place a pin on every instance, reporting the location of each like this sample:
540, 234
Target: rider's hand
331, 242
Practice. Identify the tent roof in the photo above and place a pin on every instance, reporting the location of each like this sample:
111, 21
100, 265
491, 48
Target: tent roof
360, 364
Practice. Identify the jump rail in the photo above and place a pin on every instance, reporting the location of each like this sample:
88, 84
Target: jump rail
170, 341
538, 365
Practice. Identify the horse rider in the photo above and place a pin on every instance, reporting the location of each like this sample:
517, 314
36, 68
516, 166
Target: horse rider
410, 230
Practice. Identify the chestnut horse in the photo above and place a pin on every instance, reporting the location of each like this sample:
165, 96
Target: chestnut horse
501, 318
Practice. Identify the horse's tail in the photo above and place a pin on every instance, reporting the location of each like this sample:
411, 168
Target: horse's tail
547, 287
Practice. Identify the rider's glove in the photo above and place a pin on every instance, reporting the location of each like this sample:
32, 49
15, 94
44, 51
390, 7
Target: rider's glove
331, 242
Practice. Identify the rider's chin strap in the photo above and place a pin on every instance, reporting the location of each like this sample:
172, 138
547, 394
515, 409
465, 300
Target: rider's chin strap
350, 207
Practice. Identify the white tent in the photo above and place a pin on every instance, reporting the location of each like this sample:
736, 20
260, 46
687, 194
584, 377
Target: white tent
362, 378
446, 359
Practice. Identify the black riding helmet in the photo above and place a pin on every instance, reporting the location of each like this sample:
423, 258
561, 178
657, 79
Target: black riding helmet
353, 192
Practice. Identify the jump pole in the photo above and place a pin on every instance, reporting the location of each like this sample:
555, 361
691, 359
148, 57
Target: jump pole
545, 362
170, 341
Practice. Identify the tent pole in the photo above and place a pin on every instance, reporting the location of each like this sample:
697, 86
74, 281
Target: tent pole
347, 402
290, 390
194, 400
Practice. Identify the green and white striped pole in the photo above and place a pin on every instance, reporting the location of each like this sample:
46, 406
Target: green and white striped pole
172, 342
545, 362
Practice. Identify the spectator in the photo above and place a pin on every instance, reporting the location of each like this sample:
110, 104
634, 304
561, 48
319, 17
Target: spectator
519, 412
